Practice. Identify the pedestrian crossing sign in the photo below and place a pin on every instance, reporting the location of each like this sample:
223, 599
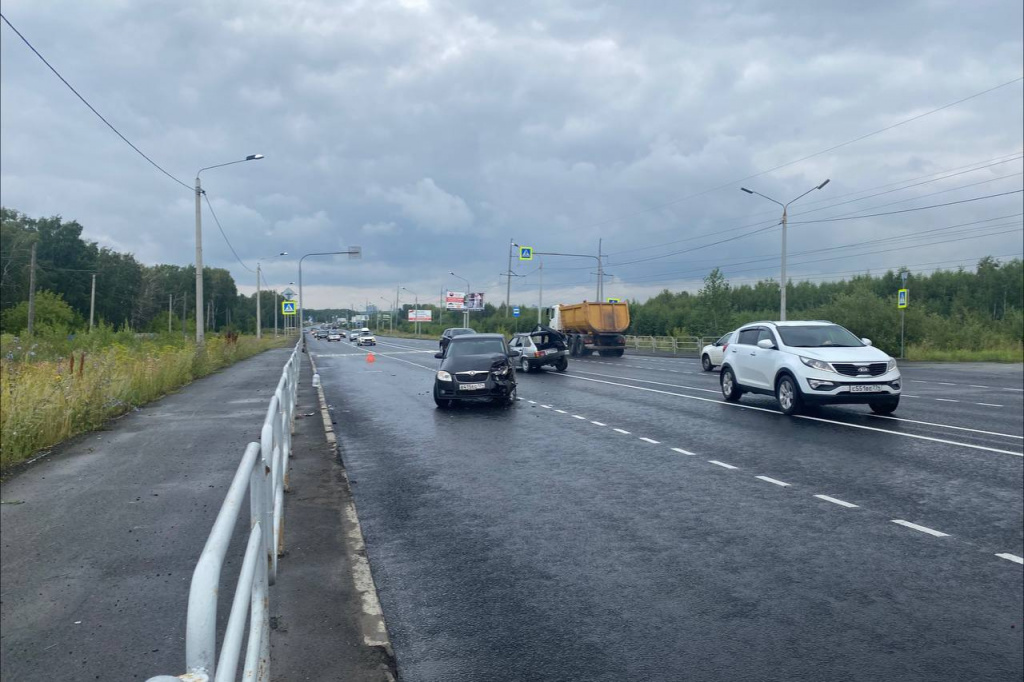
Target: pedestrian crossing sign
525, 253
287, 307
901, 301
614, 300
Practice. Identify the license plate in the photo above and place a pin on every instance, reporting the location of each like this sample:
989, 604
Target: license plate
866, 388
472, 387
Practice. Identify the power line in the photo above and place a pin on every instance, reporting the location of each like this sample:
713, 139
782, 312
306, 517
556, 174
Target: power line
91, 108
804, 158
906, 210
226, 240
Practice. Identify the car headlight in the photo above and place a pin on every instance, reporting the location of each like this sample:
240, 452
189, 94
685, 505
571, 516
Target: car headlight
891, 366
501, 371
444, 376
816, 364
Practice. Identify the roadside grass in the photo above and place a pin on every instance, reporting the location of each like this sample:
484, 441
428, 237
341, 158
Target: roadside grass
1008, 354
45, 402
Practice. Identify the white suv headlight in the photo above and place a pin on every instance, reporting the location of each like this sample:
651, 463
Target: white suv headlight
817, 364
891, 366
444, 376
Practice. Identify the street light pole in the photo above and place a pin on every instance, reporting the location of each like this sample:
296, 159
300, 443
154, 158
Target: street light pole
465, 312
200, 331
785, 221
259, 312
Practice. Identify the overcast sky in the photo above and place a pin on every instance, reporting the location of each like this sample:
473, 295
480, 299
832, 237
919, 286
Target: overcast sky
431, 133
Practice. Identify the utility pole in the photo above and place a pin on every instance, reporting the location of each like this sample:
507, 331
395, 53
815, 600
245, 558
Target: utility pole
508, 274
170, 310
32, 291
184, 313
200, 328
540, 294
259, 322
92, 302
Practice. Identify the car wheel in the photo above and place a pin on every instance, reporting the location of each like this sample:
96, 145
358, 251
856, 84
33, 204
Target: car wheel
510, 399
562, 364
887, 406
524, 365
443, 403
705, 362
730, 389
788, 395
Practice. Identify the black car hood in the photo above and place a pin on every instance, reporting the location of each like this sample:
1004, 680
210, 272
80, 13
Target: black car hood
465, 363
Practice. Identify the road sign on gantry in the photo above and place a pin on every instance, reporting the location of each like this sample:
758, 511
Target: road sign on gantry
525, 253
902, 299
287, 307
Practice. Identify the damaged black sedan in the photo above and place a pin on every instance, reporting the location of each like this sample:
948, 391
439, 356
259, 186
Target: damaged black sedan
475, 367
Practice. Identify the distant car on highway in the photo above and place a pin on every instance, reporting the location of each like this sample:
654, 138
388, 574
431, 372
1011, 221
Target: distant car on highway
809, 363
541, 347
320, 333
448, 334
353, 335
334, 335
366, 338
475, 367
711, 355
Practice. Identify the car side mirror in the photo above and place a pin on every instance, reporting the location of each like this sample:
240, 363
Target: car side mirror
766, 344
866, 342
439, 356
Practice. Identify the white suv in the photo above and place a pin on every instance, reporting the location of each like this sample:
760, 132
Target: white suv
809, 363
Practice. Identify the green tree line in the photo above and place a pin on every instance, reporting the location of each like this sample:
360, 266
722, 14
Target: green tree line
128, 294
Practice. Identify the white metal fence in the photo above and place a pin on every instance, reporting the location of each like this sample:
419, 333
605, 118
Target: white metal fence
263, 473
676, 345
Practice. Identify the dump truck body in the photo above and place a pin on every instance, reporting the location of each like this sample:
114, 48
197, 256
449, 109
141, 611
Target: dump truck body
590, 327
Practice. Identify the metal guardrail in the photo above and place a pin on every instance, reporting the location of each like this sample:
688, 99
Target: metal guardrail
263, 473
677, 345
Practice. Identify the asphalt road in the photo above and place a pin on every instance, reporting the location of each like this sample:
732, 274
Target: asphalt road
621, 522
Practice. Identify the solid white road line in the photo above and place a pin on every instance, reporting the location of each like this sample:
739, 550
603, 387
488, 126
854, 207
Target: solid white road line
650, 440
779, 414
722, 464
1011, 557
598, 423
835, 500
947, 426
621, 431
656, 383
777, 482
923, 529
681, 451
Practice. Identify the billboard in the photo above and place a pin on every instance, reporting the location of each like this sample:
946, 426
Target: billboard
421, 315
454, 300
475, 301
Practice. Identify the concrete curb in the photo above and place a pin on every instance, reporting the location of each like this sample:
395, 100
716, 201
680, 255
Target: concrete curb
374, 629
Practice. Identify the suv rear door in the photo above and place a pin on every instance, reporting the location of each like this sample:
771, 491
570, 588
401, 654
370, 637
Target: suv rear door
740, 354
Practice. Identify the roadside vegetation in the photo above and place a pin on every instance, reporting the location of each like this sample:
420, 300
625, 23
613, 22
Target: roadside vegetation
53, 387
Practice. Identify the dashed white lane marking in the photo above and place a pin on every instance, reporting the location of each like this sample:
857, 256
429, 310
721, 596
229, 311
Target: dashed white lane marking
776, 481
836, 500
656, 383
532, 402
650, 440
682, 452
621, 431
546, 407
947, 426
576, 416
947, 400
802, 416
988, 404
1014, 389
977, 386
561, 412
722, 464
923, 529
1011, 557
598, 423
945, 383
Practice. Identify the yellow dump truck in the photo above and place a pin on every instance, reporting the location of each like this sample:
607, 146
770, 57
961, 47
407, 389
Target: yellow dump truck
590, 327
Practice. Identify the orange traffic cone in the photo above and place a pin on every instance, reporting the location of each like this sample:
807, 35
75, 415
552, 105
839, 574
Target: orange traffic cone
370, 359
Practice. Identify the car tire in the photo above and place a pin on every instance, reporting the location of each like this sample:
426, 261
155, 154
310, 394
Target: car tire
443, 403
887, 406
705, 363
787, 392
524, 365
730, 389
562, 364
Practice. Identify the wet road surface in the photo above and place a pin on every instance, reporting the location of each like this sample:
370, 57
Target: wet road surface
621, 522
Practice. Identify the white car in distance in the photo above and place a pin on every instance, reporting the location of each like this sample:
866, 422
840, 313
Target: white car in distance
711, 355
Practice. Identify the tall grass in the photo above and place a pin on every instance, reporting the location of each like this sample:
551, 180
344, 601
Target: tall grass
43, 402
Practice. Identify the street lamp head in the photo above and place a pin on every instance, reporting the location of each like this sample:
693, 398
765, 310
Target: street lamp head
824, 183
254, 157
283, 253
747, 190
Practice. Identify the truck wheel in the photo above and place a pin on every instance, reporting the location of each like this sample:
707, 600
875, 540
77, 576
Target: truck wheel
562, 364
576, 345
618, 352
608, 354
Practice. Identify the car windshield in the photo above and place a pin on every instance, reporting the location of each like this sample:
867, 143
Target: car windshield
476, 347
460, 332
819, 336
